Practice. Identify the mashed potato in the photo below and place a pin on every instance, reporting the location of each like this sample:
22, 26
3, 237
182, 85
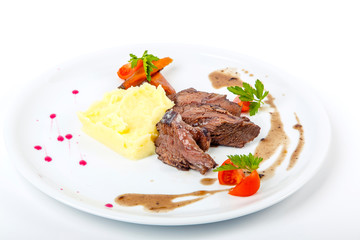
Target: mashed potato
125, 120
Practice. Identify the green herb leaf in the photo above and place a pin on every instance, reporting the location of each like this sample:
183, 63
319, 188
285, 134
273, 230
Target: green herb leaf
236, 90
249, 94
133, 60
243, 94
246, 98
259, 86
225, 167
246, 162
264, 95
254, 108
247, 87
147, 62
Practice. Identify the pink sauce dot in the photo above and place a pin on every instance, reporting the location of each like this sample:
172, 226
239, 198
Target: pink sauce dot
75, 92
48, 159
61, 189
82, 162
109, 205
37, 147
53, 115
68, 136
60, 138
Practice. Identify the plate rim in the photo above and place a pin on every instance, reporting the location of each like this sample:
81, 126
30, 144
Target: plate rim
29, 175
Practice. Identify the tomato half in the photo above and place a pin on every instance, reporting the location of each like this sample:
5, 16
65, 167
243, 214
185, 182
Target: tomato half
230, 177
126, 71
245, 106
248, 185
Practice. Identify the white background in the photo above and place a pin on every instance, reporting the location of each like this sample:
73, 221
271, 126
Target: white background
317, 41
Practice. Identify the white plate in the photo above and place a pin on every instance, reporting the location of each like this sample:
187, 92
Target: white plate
108, 175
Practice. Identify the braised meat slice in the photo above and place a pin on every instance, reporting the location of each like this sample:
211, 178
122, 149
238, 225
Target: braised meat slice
181, 145
192, 96
200, 135
225, 128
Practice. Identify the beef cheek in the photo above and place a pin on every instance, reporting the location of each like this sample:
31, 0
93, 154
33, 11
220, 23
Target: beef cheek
181, 145
192, 96
225, 129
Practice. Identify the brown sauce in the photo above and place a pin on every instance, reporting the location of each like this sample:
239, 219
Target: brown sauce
295, 155
275, 138
162, 202
266, 148
247, 72
225, 78
208, 181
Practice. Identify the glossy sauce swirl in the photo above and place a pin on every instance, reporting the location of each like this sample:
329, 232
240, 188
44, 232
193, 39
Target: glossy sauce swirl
162, 202
295, 155
275, 138
225, 78
267, 147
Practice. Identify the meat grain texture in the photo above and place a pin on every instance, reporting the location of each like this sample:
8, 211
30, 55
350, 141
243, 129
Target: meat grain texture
181, 145
198, 120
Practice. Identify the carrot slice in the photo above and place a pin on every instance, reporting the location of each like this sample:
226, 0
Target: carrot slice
126, 71
140, 76
158, 79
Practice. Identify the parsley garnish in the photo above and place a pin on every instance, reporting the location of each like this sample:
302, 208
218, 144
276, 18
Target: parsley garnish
246, 162
249, 94
147, 63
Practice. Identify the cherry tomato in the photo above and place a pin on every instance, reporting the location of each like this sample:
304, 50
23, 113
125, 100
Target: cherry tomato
230, 177
126, 71
245, 106
248, 185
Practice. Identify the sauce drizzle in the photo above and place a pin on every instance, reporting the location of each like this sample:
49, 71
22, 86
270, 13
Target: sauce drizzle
38, 147
267, 147
108, 205
162, 202
82, 162
208, 181
60, 138
275, 138
225, 78
295, 155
